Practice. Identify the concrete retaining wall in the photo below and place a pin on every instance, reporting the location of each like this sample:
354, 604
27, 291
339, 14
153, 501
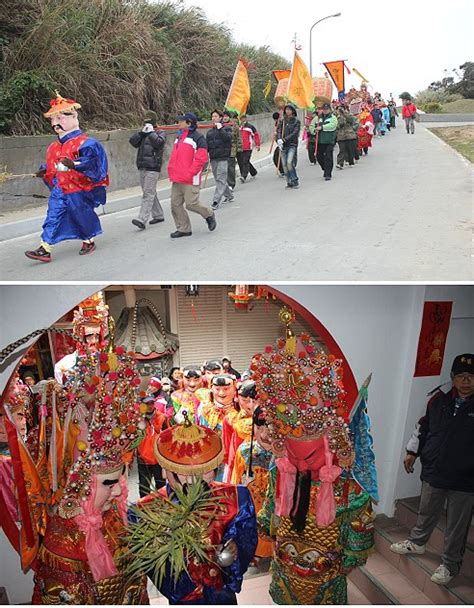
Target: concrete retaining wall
24, 154
446, 117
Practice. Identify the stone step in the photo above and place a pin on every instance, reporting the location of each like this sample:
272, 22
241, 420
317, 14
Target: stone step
418, 568
406, 512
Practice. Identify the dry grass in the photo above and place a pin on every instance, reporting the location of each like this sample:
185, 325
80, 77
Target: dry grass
460, 138
117, 58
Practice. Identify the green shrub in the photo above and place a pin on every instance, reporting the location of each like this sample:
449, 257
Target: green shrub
431, 108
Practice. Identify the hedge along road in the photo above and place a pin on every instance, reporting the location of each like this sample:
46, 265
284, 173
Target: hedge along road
403, 213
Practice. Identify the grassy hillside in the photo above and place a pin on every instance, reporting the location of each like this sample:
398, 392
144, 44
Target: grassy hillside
461, 106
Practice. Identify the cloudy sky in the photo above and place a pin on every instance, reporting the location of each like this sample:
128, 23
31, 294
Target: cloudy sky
397, 46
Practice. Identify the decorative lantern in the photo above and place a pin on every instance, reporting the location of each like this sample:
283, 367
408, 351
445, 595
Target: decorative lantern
241, 297
281, 93
322, 88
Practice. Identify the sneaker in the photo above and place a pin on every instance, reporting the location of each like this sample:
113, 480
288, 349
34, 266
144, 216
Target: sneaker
296, 186
242, 179
140, 225
340, 166
229, 199
253, 176
211, 222
442, 576
405, 547
288, 186
87, 248
327, 178
39, 254
156, 220
215, 205
177, 234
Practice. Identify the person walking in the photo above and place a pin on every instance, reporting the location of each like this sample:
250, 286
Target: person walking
444, 441
287, 140
76, 173
188, 157
277, 152
393, 114
230, 120
250, 138
377, 119
219, 143
310, 138
326, 125
346, 135
409, 113
150, 143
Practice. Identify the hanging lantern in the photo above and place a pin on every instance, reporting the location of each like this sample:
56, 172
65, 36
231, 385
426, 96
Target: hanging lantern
191, 290
241, 297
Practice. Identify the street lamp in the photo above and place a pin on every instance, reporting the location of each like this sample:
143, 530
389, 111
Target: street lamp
310, 40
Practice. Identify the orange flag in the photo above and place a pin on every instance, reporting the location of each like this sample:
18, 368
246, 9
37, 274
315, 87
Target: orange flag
336, 71
239, 92
280, 74
300, 86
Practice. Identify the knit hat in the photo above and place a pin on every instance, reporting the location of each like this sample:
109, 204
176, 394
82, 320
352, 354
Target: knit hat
151, 117
189, 449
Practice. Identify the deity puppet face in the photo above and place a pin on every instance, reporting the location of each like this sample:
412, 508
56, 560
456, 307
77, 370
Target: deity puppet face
191, 383
107, 489
91, 340
178, 480
63, 123
247, 404
224, 394
262, 437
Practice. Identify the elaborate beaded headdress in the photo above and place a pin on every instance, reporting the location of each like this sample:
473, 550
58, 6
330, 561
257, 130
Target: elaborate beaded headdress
110, 381
90, 316
301, 389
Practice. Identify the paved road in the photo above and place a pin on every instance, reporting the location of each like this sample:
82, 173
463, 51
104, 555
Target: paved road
402, 214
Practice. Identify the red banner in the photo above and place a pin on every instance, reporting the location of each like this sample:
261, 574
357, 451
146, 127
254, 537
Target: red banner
432, 340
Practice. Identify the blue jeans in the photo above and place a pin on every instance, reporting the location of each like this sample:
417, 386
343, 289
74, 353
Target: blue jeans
288, 162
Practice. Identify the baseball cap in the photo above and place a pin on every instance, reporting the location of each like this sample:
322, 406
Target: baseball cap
189, 117
462, 364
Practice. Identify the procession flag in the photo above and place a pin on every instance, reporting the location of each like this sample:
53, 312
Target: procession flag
239, 93
280, 74
300, 85
336, 71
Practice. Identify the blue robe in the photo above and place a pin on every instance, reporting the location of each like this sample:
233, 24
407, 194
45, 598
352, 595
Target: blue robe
72, 215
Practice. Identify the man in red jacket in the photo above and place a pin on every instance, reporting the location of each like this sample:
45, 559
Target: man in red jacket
409, 115
188, 157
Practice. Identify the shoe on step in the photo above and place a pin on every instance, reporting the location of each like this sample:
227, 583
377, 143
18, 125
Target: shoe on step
442, 576
405, 547
178, 234
156, 220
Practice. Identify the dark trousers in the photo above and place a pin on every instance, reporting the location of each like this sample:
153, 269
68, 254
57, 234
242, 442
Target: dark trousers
147, 472
231, 172
245, 166
325, 159
311, 150
392, 122
460, 507
347, 151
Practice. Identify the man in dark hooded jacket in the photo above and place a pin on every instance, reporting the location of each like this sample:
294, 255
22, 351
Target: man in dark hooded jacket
150, 142
287, 140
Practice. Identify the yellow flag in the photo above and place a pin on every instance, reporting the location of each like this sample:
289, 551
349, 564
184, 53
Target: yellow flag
267, 89
300, 86
239, 92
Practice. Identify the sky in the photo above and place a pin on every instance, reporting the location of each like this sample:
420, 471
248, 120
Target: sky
397, 46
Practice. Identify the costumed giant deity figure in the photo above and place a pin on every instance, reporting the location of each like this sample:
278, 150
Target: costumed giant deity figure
71, 489
196, 537
320, 517
76, 174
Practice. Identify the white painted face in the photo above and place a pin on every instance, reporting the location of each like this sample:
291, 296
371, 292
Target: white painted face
224, 394
247, 404
65, 122
191, 384
107, 489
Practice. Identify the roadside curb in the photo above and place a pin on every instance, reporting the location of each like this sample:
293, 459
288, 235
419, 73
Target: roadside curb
19, 228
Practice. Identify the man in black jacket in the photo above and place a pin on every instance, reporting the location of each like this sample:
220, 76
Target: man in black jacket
445, 447
287, 140
150, 142
219, 143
